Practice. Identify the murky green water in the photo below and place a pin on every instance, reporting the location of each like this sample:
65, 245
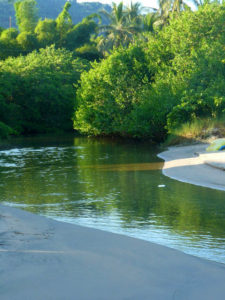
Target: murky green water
113, 185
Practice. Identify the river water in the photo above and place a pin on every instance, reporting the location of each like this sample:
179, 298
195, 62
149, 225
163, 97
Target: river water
114, 185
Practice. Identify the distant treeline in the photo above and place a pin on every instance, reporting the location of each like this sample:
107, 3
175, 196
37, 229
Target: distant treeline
50, 9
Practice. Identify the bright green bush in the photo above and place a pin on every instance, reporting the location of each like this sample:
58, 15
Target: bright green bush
27, 41
8, 34
37, 91
46, 32
113, 97
205, 93
8, 43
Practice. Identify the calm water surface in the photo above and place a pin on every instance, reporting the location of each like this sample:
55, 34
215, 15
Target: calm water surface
113, 185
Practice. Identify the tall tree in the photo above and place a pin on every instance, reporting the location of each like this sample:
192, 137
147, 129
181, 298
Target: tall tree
26, 15
64, 22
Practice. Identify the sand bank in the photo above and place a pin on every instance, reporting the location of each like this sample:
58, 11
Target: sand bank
43, 259
194, 165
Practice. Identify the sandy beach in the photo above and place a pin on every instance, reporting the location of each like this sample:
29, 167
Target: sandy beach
192, 164
44, 259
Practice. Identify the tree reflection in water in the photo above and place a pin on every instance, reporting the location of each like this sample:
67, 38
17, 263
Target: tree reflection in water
114, 185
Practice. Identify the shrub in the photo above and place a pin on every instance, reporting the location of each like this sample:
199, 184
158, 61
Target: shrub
37, 90
112, 96
5, 131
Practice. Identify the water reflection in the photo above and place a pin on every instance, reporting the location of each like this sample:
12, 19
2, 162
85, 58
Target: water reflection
114, 185
128, 167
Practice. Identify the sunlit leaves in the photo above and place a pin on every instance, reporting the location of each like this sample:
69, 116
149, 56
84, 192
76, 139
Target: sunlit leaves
26, 15
38, 90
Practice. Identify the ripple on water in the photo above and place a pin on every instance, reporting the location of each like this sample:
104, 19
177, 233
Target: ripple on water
118, 187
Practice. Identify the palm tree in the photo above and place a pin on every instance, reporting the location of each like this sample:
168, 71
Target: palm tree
163, 12
149, 21
133, 13
198, 3
169, 7
123, 25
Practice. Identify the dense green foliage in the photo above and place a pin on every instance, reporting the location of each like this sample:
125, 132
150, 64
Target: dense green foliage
37, 90
198, 69
34, 34
149, 73
176, 75
110, 92
116, 96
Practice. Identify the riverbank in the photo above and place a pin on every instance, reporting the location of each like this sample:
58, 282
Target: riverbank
44, 259
192, 164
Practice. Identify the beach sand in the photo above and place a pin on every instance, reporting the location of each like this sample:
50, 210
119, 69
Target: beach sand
192, 164
42, 259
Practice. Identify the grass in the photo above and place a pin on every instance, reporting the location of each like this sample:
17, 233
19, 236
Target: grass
201, 130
